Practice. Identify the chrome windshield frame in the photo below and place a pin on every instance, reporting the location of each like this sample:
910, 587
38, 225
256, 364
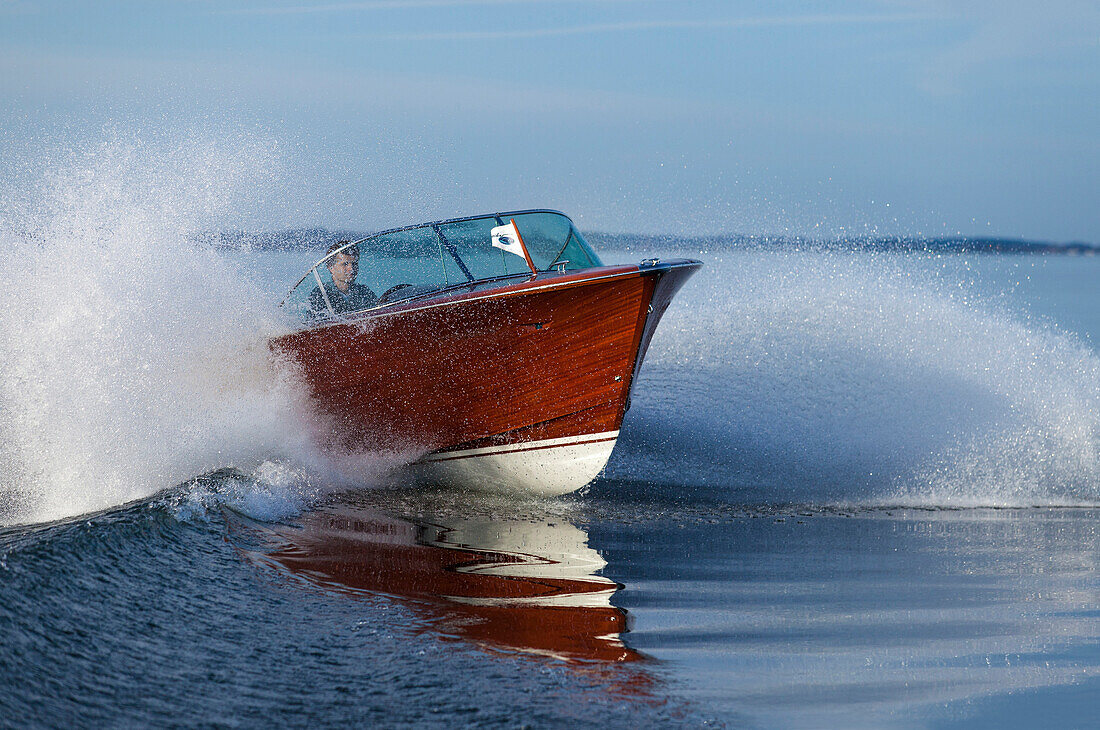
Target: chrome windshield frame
447, 245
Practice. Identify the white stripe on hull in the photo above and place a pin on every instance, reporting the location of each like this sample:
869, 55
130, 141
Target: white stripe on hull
547, 467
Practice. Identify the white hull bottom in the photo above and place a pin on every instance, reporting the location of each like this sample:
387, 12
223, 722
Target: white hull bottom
545, 468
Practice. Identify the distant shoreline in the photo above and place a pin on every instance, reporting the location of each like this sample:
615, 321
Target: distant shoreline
949, 244
319, 238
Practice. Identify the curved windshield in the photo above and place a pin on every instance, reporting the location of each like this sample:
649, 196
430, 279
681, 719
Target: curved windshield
409, 262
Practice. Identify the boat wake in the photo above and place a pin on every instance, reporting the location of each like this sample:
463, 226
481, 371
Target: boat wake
133, 358
825, 378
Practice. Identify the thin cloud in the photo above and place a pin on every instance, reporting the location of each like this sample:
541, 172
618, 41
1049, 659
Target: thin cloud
369, 5
644, 25
1002, 33
16, 7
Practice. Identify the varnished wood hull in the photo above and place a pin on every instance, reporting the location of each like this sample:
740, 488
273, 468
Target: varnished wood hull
541, 368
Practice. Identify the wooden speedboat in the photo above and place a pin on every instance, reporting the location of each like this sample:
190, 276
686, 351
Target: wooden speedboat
494, 371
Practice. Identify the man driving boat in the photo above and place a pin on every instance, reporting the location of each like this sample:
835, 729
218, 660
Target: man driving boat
344, 293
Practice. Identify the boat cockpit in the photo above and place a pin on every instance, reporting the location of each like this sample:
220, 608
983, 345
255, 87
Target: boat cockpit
413, 262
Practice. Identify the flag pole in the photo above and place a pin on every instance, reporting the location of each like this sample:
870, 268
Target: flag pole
522, 245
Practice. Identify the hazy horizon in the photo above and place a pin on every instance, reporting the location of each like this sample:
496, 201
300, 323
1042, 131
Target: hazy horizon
889, 117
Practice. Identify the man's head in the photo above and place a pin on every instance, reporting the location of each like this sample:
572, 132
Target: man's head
344, 266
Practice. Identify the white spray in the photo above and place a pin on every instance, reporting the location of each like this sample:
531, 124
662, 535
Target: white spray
133, 358
836, 377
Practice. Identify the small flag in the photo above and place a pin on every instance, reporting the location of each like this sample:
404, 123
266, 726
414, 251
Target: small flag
507, 238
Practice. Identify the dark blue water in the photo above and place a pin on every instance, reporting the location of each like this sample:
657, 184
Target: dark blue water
137, 617
852, 491
741, 615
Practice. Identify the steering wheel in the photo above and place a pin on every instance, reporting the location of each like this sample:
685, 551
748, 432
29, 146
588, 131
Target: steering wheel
392, 290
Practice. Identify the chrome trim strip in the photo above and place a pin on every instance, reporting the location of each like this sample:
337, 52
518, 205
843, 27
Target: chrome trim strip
378, 312
589, 438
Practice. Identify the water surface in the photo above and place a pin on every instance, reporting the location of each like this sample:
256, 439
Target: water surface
852, 491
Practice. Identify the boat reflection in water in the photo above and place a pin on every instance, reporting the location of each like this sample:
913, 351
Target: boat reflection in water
516, 583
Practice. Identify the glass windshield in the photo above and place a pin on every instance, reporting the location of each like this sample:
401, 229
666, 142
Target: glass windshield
413, 261
551, 240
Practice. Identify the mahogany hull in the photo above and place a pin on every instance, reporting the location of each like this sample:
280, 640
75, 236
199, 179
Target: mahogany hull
543, 365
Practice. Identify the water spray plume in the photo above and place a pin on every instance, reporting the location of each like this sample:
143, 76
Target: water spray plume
133, 357
866, 379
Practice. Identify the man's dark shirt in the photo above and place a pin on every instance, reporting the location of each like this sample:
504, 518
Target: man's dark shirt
358, 297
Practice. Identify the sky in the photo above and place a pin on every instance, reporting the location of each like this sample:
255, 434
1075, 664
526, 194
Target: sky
822, 119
